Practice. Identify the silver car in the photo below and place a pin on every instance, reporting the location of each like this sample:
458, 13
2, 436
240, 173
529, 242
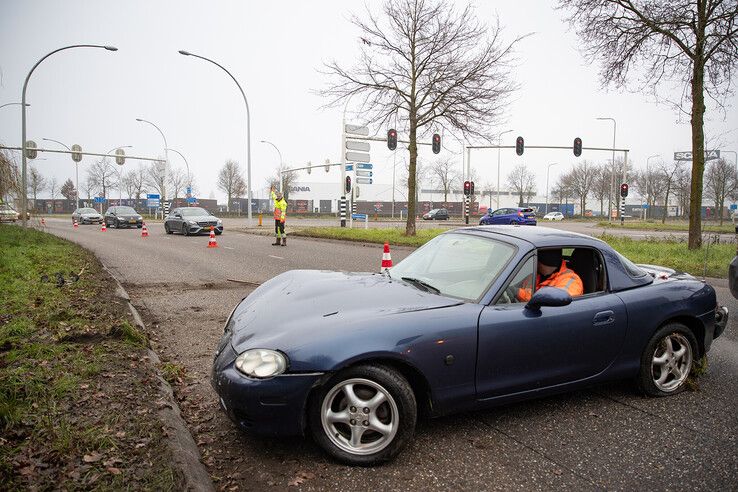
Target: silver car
192, 220
86, 216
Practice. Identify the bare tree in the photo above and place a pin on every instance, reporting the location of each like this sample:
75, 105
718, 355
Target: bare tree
68, 190
427, 66
53, 188
231, 182
682, 190
721, 181
157, 175
135, 181
444, 175
522, 181
102, 176
692, 42
601, 186
177, 181
9, 176
670, 174
650, 184
89, 188
36, 183
582, 177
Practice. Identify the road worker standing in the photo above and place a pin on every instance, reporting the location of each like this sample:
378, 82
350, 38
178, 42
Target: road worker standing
280, 214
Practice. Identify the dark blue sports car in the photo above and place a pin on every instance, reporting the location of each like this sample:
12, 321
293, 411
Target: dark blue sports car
354, 358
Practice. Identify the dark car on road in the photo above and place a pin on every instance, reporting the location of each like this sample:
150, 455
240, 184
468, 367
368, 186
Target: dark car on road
192, 220
87, 216
354, 358
436, 214
516, 215
121, 216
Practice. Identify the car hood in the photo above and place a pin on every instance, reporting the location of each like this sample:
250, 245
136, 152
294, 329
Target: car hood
90, 214
299, 306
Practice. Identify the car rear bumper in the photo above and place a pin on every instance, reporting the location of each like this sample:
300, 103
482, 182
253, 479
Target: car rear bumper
272, 407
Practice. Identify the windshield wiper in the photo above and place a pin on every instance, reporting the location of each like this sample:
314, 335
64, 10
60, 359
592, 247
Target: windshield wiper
419, 283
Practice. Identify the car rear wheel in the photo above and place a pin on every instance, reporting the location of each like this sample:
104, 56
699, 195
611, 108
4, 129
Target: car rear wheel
364, 415
667, 360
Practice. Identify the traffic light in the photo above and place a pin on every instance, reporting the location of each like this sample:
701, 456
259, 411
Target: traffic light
348, 184
471, 188
467, 188
392, 139
519, 146
577, 147
436, 143
624, 190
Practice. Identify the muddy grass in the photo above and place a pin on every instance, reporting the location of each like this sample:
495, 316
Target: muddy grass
78, 395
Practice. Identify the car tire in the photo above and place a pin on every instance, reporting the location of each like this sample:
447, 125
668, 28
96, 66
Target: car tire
218, 233
139, 226
512, 222
667, 361
390, 423
185, 230
166, 229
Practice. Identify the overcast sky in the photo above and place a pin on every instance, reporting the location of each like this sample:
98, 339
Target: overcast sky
275, 49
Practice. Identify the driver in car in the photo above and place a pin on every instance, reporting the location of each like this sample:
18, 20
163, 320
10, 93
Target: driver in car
552, 272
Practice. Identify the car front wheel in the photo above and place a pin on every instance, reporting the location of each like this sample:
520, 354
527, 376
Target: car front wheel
185, 230
166, 228
364, 416
667, 360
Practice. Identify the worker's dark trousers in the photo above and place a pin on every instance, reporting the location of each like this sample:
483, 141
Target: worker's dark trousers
279, 228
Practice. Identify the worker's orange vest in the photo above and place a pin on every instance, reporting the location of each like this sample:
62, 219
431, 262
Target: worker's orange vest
563, 279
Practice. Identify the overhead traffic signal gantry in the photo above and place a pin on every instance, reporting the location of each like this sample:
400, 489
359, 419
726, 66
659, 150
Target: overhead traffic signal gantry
436, 143
519, 145
392, 139
577, 147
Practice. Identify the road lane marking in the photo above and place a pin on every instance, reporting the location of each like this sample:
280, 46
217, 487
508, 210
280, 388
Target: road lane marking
228, 247
277, 257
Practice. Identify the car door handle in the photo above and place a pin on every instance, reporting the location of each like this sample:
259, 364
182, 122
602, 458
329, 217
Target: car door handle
603, 318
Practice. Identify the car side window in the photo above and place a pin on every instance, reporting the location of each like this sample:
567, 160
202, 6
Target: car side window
523, 280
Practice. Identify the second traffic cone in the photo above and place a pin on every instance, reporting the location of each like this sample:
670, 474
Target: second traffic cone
75, 224
212, 243
103, 228
386, 259
144, 230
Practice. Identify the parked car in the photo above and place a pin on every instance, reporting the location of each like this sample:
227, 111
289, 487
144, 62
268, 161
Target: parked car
436, 214
518, 215
8, 213
192, 220
553, 216
354, 358
122, 216
86, 216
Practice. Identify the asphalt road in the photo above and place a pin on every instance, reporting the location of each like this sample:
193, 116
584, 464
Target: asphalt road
605, 437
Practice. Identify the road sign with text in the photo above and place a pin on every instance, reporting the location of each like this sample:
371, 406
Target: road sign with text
364, 165
357, 130
687, 156
356, 156
363, 173
366, 181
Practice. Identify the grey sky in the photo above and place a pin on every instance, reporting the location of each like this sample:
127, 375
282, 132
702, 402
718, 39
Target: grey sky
92, 97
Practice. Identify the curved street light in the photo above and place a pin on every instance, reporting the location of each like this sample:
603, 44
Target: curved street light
12, 104
548, 169
189, 176
281, 162
76, 169
248, 122
24, 174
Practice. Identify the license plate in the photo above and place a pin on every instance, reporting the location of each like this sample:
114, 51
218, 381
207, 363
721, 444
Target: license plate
132, 221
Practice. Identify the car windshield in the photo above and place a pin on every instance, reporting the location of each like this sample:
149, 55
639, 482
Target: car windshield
456, 265
125, 210
193, 211
435, 210
87, 211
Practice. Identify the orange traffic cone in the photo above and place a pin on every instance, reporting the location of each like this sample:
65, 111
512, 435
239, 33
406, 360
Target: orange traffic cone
43, 222
212, 243
103, 228
386, 259
144, 230
75, 224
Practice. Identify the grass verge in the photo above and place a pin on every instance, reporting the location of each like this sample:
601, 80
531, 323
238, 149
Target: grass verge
78, 397
726, 228
669, 253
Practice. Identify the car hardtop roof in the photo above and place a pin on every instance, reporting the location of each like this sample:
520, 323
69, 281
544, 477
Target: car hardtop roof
539, 237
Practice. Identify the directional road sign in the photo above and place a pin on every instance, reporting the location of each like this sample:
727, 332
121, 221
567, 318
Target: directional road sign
99, 199
349, 167
366, 181
356, 156
354, 145
191, 199
357, 130
366, 174
734, 206
152, 200
358, 216
364, 165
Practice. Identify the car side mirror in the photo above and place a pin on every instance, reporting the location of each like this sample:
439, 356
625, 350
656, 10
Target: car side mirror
550, 297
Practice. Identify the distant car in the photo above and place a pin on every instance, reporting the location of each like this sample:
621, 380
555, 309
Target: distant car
7, 213
87, 216
553, 216
117, 217
436, 214
192, 220
515, 216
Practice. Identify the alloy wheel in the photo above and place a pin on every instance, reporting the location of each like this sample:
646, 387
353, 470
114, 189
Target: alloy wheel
671, 362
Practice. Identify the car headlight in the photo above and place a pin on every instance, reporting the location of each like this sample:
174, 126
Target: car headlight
261, 363
192, 222
139, 218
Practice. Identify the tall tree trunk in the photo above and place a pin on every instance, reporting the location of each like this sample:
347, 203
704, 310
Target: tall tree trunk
410, 225
666, 203
698, 135
602, 205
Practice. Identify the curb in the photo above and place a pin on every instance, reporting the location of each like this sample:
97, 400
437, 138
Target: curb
185, 453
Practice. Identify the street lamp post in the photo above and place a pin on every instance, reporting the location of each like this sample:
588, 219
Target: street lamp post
612, 171
24, 174
281, 162
248, 122
76, 169
189, 176
166, 154
12, 104
499, 142
548, 169
648, 187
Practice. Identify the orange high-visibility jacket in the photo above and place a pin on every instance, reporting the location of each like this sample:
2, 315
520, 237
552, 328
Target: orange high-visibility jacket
563, 278
280, 208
